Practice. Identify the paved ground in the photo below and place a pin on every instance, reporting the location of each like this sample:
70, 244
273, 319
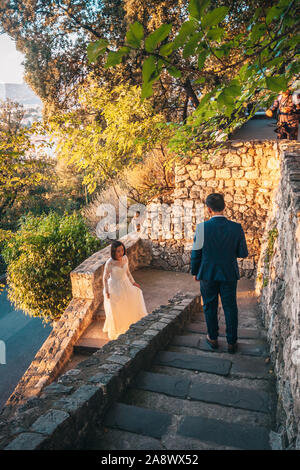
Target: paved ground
192, 397
256, 129
23, 337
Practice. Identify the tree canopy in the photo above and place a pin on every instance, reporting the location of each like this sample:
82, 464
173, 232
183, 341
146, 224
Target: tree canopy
111, 130
54, 37
224, 67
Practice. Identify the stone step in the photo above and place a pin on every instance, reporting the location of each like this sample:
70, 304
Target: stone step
243, 333
251, 367
199, 341
231, 396
171, 385
84, 350
193, 362
242, 365
226, 395
230, 434
155, 424
139, 420
180, 407
244, 309
116, 439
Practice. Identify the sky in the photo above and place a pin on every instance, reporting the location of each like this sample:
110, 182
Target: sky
11, 70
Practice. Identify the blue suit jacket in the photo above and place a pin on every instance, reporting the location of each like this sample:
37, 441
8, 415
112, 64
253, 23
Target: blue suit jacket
219, 243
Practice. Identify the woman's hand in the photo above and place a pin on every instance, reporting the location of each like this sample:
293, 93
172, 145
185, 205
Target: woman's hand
137, 285
108, 295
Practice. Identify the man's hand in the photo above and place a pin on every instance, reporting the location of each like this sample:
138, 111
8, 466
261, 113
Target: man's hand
137, 285
108, 295
195, 278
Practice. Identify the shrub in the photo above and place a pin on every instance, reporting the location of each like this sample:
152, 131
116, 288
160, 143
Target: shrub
40, 257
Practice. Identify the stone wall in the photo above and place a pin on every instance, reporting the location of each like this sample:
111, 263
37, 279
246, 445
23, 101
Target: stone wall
246, 173
71, 409
278, 285
87, 290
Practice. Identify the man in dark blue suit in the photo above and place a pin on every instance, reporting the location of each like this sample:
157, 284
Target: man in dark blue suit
218, 243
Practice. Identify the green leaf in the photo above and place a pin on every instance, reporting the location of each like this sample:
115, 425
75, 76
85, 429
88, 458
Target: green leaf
276, 83
185, 31
149, 69
224, 50
257, 13
244, 72
215, 34
166, 49
229, 94
200, 80
135, 34
191, 45
275, 61
203, 103
115, 58
257, 31
197, 7
157, 36
274, 13
174, 72
219, 52
214, 17
201, 59
94, 49
147, 90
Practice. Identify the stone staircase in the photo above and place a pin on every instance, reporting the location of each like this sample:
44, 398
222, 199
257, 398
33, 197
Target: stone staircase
195, 398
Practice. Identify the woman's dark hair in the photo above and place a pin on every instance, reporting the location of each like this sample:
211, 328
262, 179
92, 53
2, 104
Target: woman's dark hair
215, 202
115, 244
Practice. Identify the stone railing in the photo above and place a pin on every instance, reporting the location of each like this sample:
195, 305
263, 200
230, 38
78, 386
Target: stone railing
247, 173
68, 412
278, 285
87, 290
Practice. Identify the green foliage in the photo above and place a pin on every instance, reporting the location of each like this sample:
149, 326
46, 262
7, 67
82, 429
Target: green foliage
135, 34
95, 49
235, 67
111, 131
155, 38
40, 257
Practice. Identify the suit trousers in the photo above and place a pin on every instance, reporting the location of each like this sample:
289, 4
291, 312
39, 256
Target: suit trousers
210, 291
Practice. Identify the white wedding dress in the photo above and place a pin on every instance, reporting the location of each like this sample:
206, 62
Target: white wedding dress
126, 304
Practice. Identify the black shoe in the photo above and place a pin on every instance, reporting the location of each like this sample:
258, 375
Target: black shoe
232, 348
213, 343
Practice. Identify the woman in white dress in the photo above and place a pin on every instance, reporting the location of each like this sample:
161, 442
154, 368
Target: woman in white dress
123, 298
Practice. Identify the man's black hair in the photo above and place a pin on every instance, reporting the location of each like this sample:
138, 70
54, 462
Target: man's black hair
215, 202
